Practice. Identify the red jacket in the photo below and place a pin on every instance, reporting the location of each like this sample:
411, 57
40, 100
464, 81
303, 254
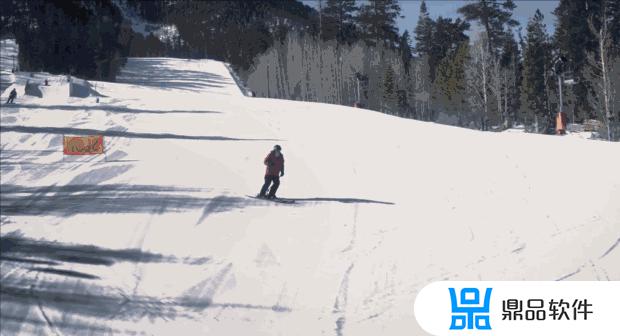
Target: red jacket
275, 164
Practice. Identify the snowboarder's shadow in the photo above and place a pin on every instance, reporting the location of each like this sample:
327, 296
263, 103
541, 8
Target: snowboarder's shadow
339, 200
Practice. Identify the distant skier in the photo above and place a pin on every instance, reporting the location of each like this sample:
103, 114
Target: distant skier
275, 168
12, 97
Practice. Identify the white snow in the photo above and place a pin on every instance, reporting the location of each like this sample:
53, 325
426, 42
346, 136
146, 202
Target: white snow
384, 206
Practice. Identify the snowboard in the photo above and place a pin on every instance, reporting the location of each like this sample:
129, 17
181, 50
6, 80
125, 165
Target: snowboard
275, 200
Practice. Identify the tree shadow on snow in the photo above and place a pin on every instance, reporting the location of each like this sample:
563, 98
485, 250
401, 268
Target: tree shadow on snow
69, 200
339, 200
85, 302
154, 73
106, 108
91, 308
119, 133
39, 252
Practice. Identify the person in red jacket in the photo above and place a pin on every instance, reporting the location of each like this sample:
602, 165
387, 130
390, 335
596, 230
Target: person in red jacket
275, 168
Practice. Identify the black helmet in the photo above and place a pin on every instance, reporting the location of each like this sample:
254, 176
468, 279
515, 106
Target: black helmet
277, 147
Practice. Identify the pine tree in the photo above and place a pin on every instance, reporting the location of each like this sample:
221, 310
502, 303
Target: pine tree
421, 87
338, 23
68, 37
404, 45
448, 35
389, 100
536, 58
494, 16
338, 20
424, 32
613, 13
511, 64
378, 22
574, 41
450, 82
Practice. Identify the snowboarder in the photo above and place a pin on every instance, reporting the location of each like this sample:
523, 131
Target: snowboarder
275, 168
12, 96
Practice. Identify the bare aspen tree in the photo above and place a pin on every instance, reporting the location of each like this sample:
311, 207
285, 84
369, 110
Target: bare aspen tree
477, 77
506, 116
484, 58
495, 82
547, 82
320, 53
603, 63
422, 88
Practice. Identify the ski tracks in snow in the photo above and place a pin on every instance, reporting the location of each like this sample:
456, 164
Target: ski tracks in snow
340, 305
353, 230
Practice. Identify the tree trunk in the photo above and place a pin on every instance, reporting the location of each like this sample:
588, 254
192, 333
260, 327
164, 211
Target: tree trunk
484, 86
320, 95
603, 36
506, 117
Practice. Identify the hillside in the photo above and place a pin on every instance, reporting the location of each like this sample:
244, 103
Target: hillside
158, 236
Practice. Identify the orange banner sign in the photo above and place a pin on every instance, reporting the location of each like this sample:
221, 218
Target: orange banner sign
83, 145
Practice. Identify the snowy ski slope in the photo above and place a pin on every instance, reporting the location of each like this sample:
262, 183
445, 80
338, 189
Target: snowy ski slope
157, 236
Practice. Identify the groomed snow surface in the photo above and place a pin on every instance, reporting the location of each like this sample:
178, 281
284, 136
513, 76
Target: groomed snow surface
158, 237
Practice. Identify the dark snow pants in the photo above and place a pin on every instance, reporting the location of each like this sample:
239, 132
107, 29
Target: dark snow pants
268, 180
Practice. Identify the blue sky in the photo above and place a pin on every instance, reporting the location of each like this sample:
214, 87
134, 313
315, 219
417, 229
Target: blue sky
410, 9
